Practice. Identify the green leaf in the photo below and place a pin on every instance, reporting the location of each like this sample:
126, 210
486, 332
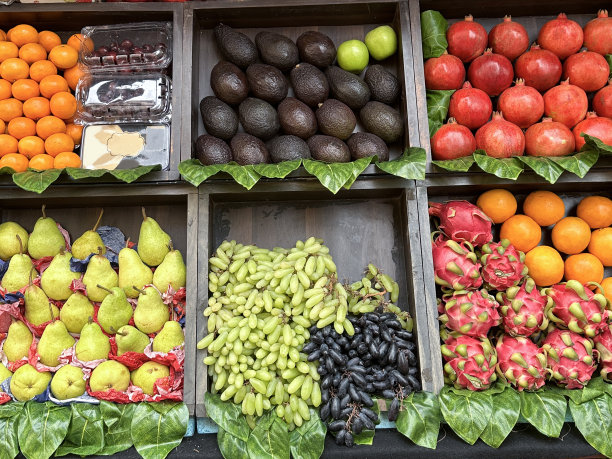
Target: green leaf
541, 165
507, 409
195, 172
308, 440
366, 437
129, 175
545, 410
78, 173
420, 419
243, 175
594, 421
594, 389
8, 433
269, 442
231, 447
227, 415
411, 165
117, 426
7, 170
332, 176
506, 168
433, 34
36, 181
437, 108
594, 142
456, 165
42, 428
467, 416
8, 410
278, 170
358, 167
155, 434
86, 432
578, 163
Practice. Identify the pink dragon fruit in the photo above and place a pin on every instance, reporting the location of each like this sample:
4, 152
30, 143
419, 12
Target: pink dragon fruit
523, 309
502, 265
470, 313
570, 358
603, 343
470, 362
521, 362
455, 265
577, 308
463, 221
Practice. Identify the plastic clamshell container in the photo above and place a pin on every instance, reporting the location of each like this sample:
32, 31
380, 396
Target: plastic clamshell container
137, 46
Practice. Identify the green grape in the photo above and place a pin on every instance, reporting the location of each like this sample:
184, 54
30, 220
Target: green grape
315, 395
259, 404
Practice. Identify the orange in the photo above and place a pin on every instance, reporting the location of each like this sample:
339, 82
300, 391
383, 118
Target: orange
15, 161
2, 35
73, 75
36, 108
58, 143
64, 56
67, 159
25, 89
6, 89
63, 105
596, 211
2, 127
31, 146
498, 204
522, 231
14, 69
10, 108
48, 126
75, 131
8, 50
545, 207
21, 127
571, 235
41, 69
8, 144
545, 265
53, 84
77, 40
41, 162
601, 245
584, 268
606, 286
49, 40
32, 52
23, 34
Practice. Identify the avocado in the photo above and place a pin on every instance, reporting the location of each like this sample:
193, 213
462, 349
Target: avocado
258, 118
220, 120
364, 144
267, 82
316, 48
329, 149
296, 118
211, 150
236, 47
287, 148
277, 50
229, 83
382, 120
309, 84
347, 87
383, 85
248, 149
336, 119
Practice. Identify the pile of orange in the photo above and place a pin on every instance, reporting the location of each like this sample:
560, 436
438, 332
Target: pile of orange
37, 76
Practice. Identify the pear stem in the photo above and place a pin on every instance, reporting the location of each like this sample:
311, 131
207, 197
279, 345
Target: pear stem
139, 290
127, 242
104, 288
51, 310
144, 214
99, 250
20, 243
90, 320
170, 245
43, 211
98, 220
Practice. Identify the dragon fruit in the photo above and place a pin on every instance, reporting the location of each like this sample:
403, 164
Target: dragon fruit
603, 343
521, 362
577, 308
523, 309
470, 362
455, 264
502, 265
470, 313
463, 221
570, 358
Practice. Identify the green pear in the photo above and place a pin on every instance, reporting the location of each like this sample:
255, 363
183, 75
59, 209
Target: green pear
130, 339
68, 382
76, 312
56, 279
9, 244
20, 271
109, 375
169, 337
27, 383
146, 376
115, 311
92, 344
152, 241
89, 242
54, 340
46, 239
38, 310
18, 341
172, 272
5, 373
99, 272
132, 271
151, 313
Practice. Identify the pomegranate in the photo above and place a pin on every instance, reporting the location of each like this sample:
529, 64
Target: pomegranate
596, 126
471, 107
466, 39
521, 105
509, 39
562, 36
452, 141
549, 138
587, 70
598, 34
540, 68
491, 72
500, 138
566, 103
602, 101
444, 72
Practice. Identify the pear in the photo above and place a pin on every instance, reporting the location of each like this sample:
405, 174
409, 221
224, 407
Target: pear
76, 312
68, 382
152, 241
115, 311
20, 270
132, 271
99, 272
130, 339
5, 373
169, 337
54, 340
27, 383
109, 375
56, 279
18, 341
9, 244
38, 310
147, 375
46, 239
151, 313
89, 242
171, 272
92, 344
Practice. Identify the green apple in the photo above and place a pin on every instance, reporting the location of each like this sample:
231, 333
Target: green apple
353, 56
381, 42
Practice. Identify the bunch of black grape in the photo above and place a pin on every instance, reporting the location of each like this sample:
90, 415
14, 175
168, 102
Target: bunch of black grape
377, 361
